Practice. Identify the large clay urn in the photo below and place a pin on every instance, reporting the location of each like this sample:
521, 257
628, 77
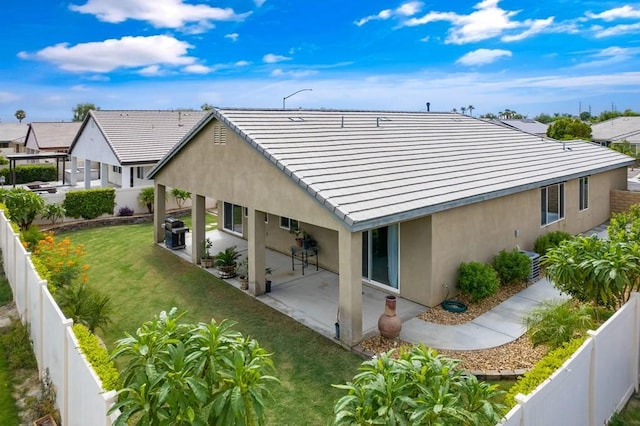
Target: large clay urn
389, 323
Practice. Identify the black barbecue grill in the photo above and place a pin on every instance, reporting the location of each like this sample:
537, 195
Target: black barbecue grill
174, 233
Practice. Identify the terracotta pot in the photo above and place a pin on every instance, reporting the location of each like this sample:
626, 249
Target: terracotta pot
389, 324
244, 283
299, 242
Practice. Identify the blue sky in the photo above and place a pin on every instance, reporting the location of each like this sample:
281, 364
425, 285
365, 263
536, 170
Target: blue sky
531, 57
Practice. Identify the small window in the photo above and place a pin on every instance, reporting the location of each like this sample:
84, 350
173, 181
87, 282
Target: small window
140, 172
116, 169
288, 224
584, 193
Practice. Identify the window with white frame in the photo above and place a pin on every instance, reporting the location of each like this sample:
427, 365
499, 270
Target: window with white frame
551, 203
584, 193
116, 169
288, 223
140, 172
380, 255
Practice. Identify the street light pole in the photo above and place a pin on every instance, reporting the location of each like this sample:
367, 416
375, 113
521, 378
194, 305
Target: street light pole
294, 93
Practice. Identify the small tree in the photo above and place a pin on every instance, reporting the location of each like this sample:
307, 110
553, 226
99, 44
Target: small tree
181, 196
566, 128
185, 374
21, 115
23, 206
81, 111
417, 387
147, 198
53, 212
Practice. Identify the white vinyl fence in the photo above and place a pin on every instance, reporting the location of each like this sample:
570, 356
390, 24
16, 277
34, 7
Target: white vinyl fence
80, 397
594, 383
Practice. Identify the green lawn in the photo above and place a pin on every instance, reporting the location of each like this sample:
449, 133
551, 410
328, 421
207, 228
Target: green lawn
8, 410
143, 279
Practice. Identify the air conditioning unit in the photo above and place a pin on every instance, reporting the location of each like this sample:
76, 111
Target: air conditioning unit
534, 273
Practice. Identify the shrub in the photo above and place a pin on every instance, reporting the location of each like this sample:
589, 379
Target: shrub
45, 403
547, 241
60, 263
30, 173
146, 197
85, 305
478, 280
53, 212
181, 196
97, 356
17, 340
90, 203
125, 211
23, 206
555, 323
512, 266
31, 237
541, 371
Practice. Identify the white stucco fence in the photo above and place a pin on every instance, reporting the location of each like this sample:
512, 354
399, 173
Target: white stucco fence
80, 397
594, 383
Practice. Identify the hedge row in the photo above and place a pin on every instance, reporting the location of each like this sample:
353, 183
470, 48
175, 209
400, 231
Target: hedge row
90, 203
30, 173
97, 356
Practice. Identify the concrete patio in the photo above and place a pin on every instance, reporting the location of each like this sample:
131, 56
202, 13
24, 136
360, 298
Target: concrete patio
312, 298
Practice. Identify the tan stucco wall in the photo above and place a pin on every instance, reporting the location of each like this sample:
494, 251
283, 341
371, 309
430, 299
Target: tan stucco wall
235, 172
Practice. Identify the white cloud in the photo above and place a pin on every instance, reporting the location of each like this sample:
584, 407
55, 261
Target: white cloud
487, 21
293, 73
405, 9
112, 54
616, 30
623, 12
233, 36
483, 56
608, 57
259, 3
8, 97
80, 88
271, 58
197, 69
242, 63
151, 70
160, 13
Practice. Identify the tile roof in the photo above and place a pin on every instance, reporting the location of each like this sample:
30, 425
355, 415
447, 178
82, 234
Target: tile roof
527, 125
372, 168
617, 129
143, 137
53, 135
13, 132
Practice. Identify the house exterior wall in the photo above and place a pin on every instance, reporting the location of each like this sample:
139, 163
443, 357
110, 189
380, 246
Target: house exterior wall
92, 145
236, 173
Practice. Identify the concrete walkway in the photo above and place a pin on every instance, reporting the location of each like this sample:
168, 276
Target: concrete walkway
500, 325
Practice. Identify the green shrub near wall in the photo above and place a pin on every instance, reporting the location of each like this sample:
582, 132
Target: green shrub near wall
30, 173
90, 203
97, 356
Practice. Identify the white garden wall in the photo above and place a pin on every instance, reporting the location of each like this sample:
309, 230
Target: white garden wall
80, 397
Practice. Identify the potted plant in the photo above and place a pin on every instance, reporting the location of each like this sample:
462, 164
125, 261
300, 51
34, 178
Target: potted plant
243, 273
267, 282
299, 235
206, 260
226, 261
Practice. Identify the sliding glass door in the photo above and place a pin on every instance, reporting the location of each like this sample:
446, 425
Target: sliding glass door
380, 254
232, 220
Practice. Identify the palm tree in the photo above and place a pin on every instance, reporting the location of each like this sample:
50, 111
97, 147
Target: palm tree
454, 110
471, 108
463, 109
20, 115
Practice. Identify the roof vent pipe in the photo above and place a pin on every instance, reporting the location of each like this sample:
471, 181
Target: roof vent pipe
342, 122
377, 121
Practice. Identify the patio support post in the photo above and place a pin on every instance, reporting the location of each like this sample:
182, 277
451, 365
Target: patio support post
126, 177
198, 233
350, 292
104, 175
74, 166
256, 251
159, 209
87, 174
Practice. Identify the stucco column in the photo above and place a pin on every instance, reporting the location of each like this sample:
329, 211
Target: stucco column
256, 251
159, 211
198, 234
350, 293
126, 177
87, 174
74, 166
104, 175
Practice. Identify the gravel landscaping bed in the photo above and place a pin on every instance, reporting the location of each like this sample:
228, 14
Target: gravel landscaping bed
517, 355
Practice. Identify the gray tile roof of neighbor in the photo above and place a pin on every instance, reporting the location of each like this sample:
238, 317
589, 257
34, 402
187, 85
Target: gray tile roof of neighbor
527, 125
372, 168
13, 132
144, 136
617, 129
53, 135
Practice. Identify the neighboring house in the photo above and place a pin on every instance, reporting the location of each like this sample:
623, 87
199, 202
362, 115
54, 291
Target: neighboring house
46, 137
525, 124
126, 144
12, 136
616, 130
395, 200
